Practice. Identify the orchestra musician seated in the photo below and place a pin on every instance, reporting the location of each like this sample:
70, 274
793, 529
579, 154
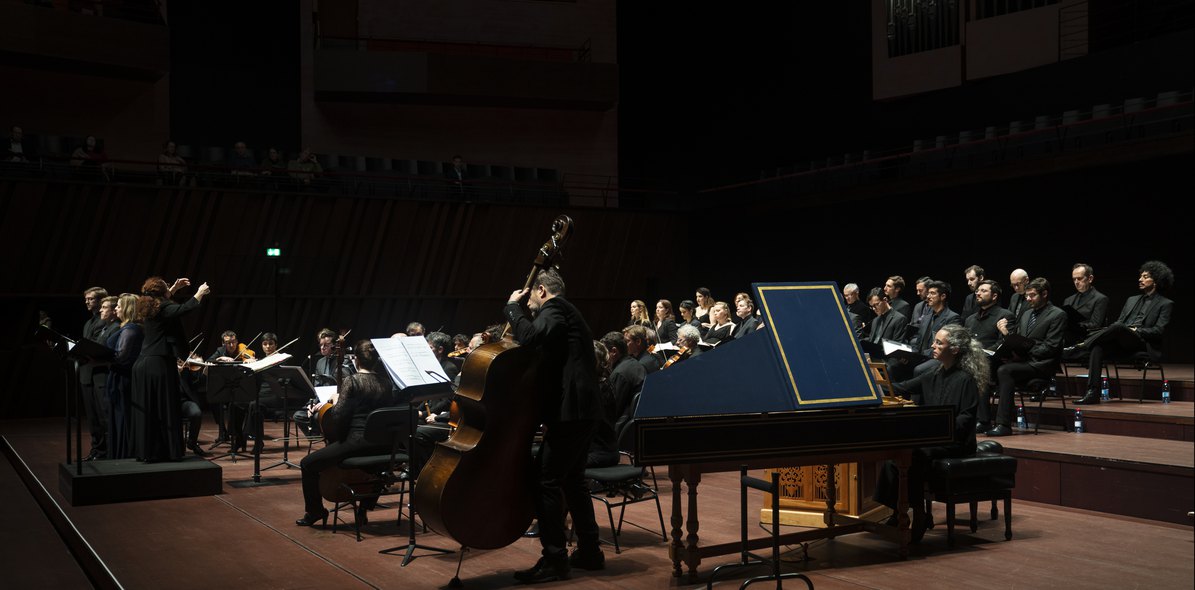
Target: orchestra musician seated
230, 423
361, 393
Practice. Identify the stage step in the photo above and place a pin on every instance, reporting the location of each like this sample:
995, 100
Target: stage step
1149, 419
128, 480
1132, 476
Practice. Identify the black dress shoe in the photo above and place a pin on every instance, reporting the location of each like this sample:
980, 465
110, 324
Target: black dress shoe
532, 532
982, 427
545, 570
92, 456
1000, 430
1092, 397
591, 559
195, 448
310, 519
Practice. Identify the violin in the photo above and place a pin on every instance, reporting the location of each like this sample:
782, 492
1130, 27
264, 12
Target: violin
680, 355
243, 354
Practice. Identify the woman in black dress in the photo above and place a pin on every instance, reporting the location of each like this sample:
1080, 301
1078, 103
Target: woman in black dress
360, 393
126, 343
665, 322
155, 421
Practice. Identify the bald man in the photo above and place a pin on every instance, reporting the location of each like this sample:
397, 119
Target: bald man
1018, 280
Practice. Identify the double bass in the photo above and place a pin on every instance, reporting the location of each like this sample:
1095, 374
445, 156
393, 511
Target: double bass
475, 488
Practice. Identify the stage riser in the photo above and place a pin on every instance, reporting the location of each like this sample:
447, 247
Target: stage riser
1106, 487
105, 482
1121, 425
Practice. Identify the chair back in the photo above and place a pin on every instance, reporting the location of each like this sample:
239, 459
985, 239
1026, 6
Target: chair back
384, 425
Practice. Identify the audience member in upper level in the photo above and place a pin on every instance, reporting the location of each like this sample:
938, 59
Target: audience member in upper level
458, 173
274, 164
974, 275
16, 149
1018, 280
89, 159
305, 167
241, 162
1140, 327
172, 168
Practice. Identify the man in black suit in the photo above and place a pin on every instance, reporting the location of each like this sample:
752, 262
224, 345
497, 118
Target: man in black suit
892, 288
937, 316
982, 324
1090, 303
626, 372
921, 308
570, 409
1018, 280
93, 376
974, 275
635, 337
1140, 327
744, 309
1043, 323
855, 303
888, 324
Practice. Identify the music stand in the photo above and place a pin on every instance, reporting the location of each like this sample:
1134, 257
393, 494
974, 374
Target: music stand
73, 354
287, 381
418, 394
231, 384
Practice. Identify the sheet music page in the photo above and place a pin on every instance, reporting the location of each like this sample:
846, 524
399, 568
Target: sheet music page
325, 392
267, 362
410, 361
892, 345
666, 347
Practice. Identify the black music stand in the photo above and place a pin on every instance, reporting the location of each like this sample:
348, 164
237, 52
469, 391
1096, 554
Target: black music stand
417, 395
231, 384
73, 354
287, 382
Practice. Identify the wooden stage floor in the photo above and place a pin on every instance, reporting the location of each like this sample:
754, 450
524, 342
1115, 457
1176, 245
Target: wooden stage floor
246, 538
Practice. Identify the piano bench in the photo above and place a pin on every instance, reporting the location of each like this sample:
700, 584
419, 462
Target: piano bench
988, 475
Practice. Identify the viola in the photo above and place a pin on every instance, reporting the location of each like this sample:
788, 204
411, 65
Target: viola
681, 354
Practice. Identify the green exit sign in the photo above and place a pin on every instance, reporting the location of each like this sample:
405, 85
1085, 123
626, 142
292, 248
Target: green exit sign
273, 252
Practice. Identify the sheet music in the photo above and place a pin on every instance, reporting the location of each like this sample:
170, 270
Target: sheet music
666, 347
410, 361
325, 392
891, 346
264, 363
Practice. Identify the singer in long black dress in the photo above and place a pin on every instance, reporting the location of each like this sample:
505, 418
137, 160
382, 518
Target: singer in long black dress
126, 344
359, 394
155, 420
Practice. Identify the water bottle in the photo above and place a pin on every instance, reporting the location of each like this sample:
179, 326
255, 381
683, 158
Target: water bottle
1165, 391
1078, 421
1053, 387
1104, 396
1021, 417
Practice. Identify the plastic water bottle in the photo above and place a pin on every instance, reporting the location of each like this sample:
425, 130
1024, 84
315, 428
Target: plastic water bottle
1021, 417
1078, 421
1166, 391
1104, 396
1053, 387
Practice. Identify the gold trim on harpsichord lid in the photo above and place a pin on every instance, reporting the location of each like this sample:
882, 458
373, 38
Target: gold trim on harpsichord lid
784, 357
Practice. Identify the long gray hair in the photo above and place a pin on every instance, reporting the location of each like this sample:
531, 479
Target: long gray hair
970, 355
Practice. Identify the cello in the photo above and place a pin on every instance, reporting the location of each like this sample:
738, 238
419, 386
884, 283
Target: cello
476, 487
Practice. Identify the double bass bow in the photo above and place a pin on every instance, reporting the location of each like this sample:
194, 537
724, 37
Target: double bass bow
483, 472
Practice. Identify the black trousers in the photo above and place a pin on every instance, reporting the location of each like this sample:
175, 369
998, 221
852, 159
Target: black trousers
1008, 376
1114, 342
94, 392
330, 456
193, 416
562, 486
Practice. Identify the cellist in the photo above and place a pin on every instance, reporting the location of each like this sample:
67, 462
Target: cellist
570, 409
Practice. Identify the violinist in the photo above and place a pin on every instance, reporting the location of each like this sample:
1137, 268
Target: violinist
267, 400
636, 338
232, 430
687, 338
361, 393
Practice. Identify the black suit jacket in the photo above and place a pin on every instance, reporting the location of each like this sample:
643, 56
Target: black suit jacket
1153, 327
931, 325
903, 307
969, 307
1047, 334
1093, 305
666, 332
567, 373
1016, 304
890, 326
745, 327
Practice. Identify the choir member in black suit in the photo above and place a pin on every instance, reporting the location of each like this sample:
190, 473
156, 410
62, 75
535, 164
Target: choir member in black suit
921, 309
366, 390
155, 421
665, 322
888, 324
959, 380
744, 309
1018, 280
892, 288
93, 376
856, 304
938, 316
571, 407
982, 324
1090, 303
1043, 323
1140, 327
974, 275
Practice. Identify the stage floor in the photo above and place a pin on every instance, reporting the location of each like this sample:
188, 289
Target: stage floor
246, 538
